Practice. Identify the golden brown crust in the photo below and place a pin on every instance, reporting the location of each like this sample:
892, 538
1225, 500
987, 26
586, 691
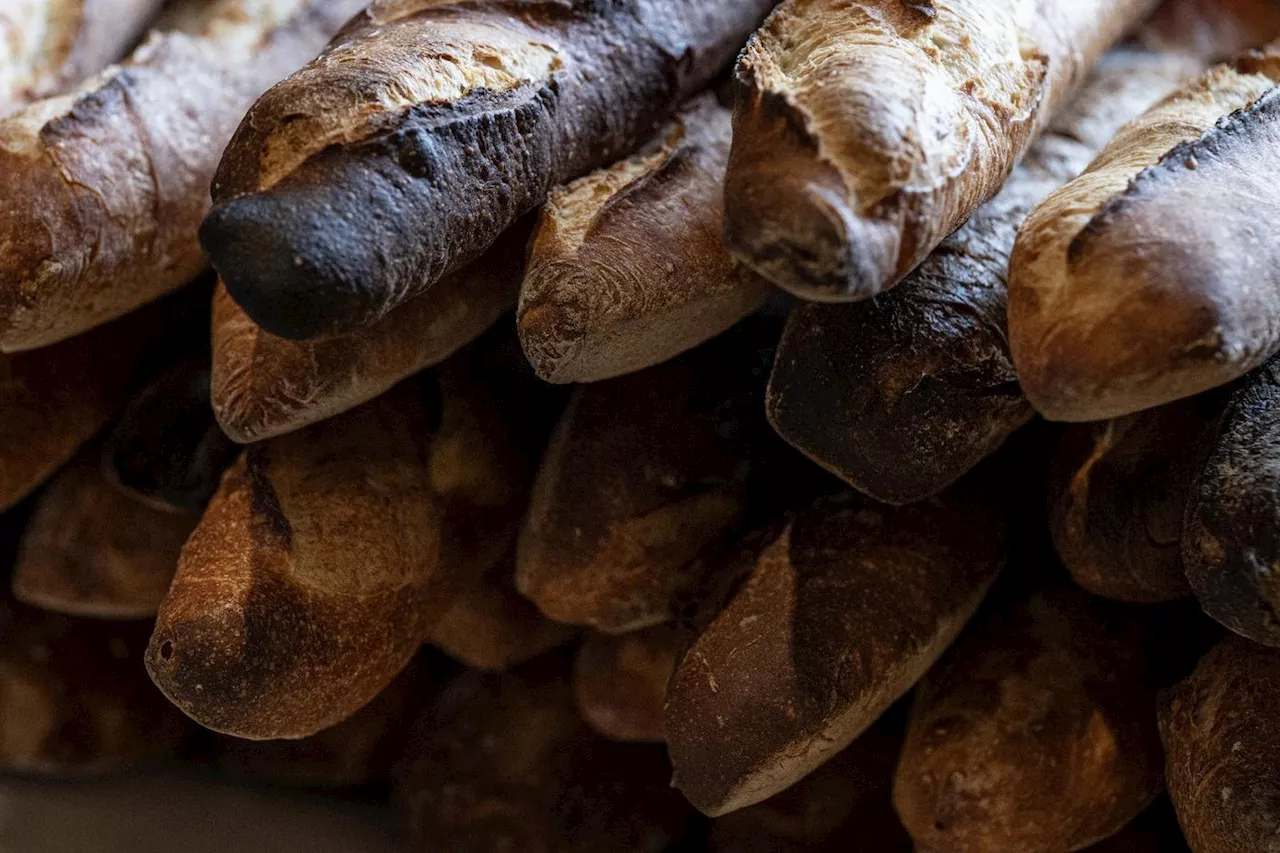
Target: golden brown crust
628, 268
865, 133
311, 579
91, 550
838, 617
1036, 733
1128, 287
1117, 493
76, 699
642, 473
505, 763
901, 395
264, 386
620, 683
427, 128
1219, 731
105, 186
48, 45
54, 399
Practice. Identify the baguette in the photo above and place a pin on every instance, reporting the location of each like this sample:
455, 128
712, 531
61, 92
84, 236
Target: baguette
106, 186
627, 268
49, 45
1128, 288
866, 132
1035, 733
1229, 544
75, 697
505, 763
311, 579
165, 450
91, 550
839, 616
901, 395
842, 805
54, 399
620, 683
265, 386
1221, 750
643, 472
427, 128
1117, 493
491, 627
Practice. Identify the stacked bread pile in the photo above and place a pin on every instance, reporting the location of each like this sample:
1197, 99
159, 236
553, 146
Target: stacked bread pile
892, 235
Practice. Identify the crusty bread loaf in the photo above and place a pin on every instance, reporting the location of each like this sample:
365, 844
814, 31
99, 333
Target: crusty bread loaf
1214, 30
842, 805
1036, 733
47, 46
311, 580
1117, 493
505, 763
165, 449
865, 132
358, 751
91, 550
75, 696
901, 395
105, 186
490, 626
1230, 543
620, 683
1145, 280
628, 267
642, 473
264, 386
1221, 750
430, 126
839, 616
54, 399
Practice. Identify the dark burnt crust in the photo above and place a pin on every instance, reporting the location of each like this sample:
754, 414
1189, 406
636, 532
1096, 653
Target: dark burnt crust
287, 259
1231, 132
108, 208
1117, 492
308, 277
1230, 539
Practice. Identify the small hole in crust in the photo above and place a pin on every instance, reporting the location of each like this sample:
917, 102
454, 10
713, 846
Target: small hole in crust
166, 649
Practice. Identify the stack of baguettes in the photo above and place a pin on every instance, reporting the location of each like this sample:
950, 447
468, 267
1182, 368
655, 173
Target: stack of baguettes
896, 232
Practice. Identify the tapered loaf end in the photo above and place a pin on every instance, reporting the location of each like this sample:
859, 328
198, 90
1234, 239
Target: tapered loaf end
295, 268
553, 334
788, 212
195, 660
